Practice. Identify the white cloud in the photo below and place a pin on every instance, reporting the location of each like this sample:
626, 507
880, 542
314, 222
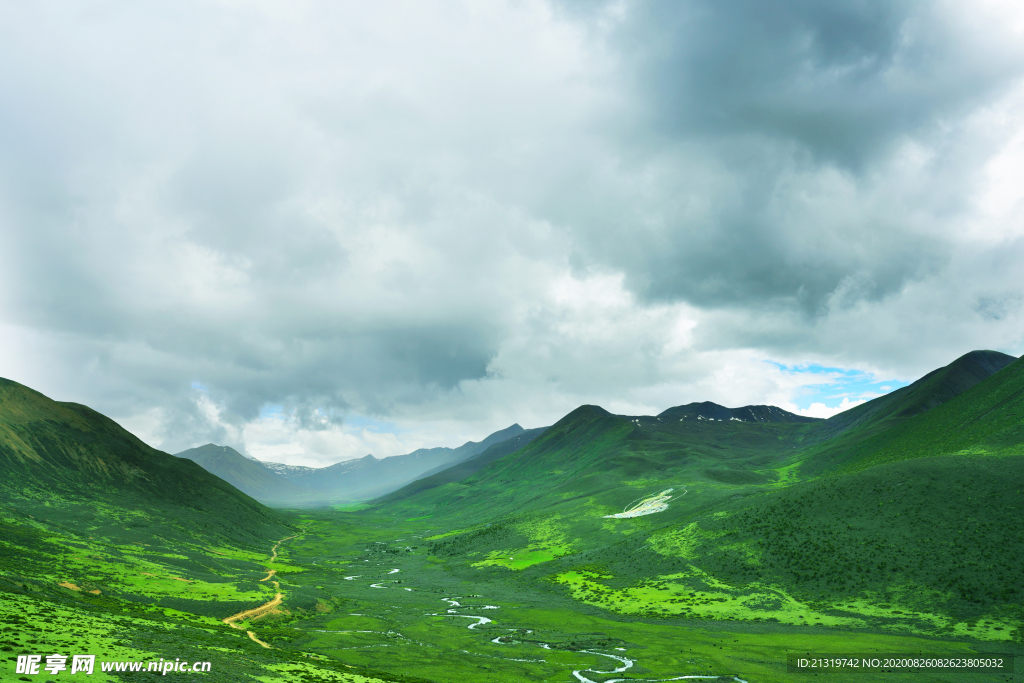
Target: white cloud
825, 412
443, 218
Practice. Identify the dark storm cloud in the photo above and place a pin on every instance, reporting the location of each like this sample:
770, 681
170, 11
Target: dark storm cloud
844, 80
762, 136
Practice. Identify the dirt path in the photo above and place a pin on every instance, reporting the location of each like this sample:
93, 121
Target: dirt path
265, 608
273, 551
257, 640
256, 612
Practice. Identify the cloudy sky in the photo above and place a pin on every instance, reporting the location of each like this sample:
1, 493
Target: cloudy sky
316, 230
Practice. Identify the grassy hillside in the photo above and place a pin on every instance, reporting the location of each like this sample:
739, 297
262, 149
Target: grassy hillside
985, 417
933, 534
110, 547
466, 468
246, 475
69, 455
932, 390
916, 527
592, 452
852, 433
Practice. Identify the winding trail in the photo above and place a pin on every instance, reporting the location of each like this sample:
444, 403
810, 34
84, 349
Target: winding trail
265, 608
257, 612
257, 640
273, 551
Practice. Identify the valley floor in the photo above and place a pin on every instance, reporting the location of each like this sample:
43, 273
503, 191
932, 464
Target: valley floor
397, 609
358, 597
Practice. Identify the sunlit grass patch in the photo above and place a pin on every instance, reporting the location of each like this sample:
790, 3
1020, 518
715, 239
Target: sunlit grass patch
682, 542
282, 568
788, 474
665, 596
453, 532
675, 595
300, 672
521, 558
350, 507
903, 617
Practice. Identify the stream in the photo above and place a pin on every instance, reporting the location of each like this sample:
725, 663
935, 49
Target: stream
626, 663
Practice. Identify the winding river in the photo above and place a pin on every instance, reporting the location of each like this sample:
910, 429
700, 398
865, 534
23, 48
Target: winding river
580, 674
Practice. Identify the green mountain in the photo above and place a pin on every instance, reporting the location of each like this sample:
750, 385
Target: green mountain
985, 419
590, 451
953, 409
904, 514
858, 434
247, 475
932, 390
112, 548
466, 468
927, 512
712, 411
51, 451
590, 445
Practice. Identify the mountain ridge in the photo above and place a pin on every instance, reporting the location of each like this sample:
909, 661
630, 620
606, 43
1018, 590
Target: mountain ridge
50, 448
712, 411
843, 436
245, 474
590, 448
344, 481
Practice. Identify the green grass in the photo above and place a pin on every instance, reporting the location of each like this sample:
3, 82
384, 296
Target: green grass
659, 621
891, 533
521, 558
658, 617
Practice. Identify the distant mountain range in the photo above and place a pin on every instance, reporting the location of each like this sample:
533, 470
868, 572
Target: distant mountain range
854, 435
350, 480
368, 477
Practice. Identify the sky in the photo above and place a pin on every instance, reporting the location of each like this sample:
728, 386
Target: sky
316, 230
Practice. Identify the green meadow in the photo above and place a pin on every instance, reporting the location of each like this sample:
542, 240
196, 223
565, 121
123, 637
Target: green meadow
894, 528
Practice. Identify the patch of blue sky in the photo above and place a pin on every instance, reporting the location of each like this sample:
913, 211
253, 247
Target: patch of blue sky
199, 386
830, 386
271, 411
361, 422
352, 422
